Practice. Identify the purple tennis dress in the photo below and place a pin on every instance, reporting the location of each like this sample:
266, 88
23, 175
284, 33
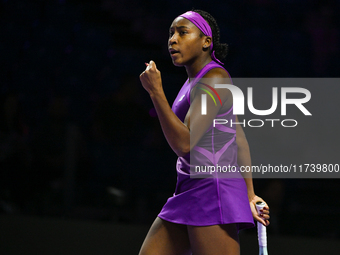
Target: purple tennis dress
208, 201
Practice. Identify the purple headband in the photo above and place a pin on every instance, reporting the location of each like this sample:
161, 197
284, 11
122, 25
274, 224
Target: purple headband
202, 25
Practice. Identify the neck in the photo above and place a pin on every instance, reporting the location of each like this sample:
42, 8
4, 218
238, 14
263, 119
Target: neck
196, 66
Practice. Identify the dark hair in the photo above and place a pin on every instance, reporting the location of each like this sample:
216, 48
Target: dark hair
221, 49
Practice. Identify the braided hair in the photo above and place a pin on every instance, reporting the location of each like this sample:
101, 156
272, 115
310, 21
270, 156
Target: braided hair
221, 49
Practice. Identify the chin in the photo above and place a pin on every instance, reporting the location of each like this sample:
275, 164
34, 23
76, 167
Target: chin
177, 63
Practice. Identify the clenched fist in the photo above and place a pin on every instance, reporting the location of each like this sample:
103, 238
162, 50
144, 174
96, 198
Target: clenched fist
151, 78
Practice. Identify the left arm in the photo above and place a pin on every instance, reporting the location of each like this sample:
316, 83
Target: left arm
244, 159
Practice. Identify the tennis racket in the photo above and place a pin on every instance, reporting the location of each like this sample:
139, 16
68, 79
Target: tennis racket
261, 231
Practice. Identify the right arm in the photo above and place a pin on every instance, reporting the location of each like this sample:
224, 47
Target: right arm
182, 137
175, 131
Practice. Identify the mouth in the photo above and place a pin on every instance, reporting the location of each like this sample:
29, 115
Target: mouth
173, 51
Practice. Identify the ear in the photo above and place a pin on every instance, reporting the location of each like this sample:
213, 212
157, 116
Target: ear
207, 42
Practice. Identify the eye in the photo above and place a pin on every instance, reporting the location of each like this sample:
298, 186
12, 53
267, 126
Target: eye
183, 32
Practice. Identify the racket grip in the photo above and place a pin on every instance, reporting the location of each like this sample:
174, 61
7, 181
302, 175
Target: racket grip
261, 230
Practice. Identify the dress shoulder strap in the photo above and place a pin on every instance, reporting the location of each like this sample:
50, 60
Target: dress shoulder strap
200, 75
207, 68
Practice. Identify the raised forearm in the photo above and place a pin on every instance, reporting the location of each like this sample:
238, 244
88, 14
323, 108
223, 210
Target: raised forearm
175, 131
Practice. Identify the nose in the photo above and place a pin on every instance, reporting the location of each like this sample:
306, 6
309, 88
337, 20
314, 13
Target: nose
173, 39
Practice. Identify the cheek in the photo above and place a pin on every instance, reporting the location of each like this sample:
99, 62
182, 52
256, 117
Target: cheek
193, 46
194, 50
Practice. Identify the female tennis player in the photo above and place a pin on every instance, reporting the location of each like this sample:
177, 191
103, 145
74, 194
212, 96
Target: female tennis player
204, 215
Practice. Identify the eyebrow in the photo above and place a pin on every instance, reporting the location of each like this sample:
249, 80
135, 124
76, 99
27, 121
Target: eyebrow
178, 27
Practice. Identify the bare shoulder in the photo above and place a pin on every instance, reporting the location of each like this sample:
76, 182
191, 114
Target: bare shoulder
217, 73
219, 76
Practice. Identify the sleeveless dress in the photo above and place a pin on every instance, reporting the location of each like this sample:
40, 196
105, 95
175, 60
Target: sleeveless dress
201, 198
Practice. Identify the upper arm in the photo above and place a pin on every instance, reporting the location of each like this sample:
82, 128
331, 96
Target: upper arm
241, 139
217, 100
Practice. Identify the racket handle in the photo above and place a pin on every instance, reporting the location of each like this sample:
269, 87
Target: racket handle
263, 251
261, 230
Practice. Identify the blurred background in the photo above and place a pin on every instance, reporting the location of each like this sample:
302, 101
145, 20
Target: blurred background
81, 148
